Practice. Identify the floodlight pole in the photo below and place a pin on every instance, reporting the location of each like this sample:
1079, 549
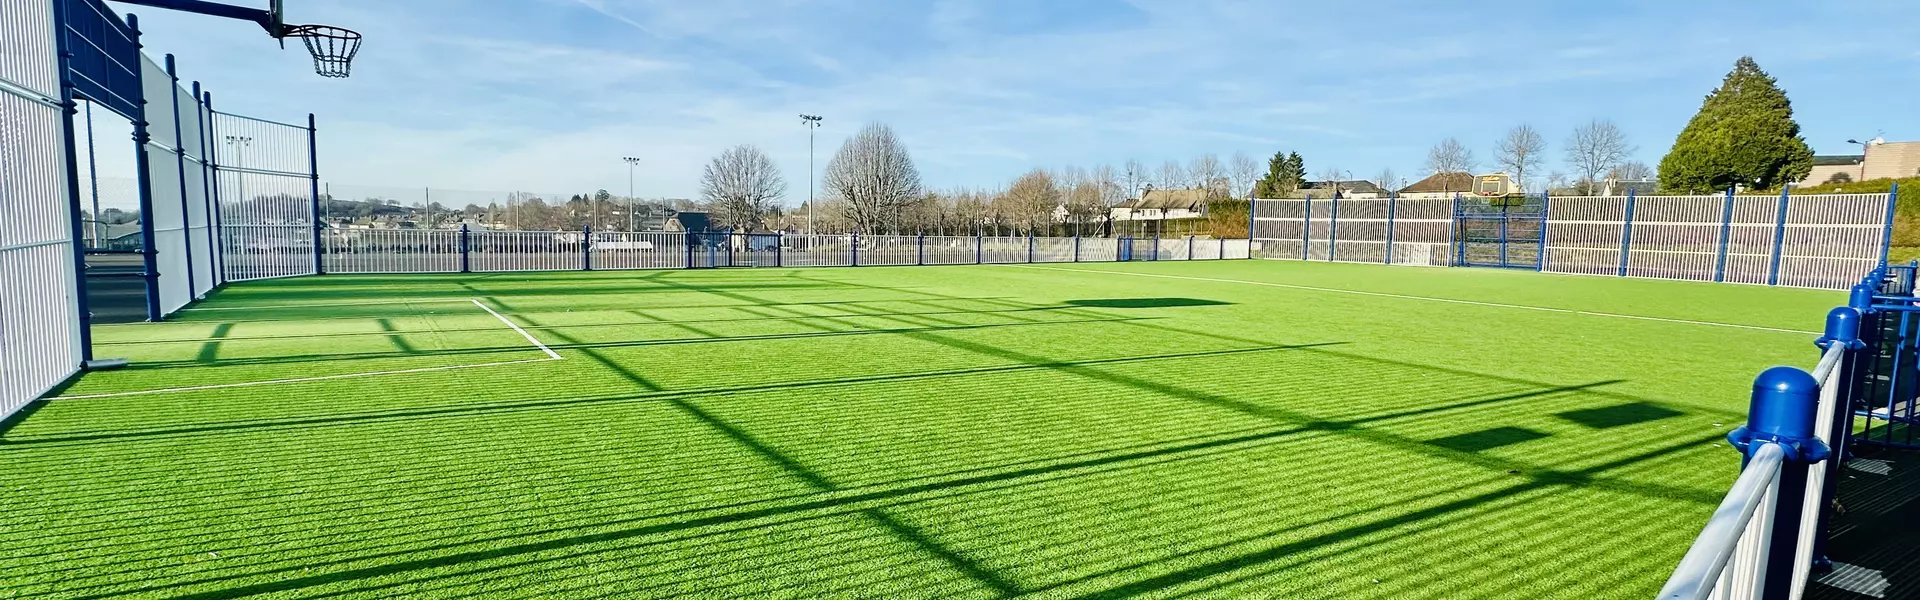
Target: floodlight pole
93, 181
631, 163
1865, 148
812, 122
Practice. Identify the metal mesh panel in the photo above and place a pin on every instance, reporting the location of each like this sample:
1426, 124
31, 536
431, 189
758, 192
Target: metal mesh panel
1750, 239
1362, 231
819, 251
39, 320
1675, 237
878, 250
166, 182
1054, 249
266, 198
391, 251
1173, 248
525, 250
1320, 229
950, 249
1830, 240
1423, 231
1583, 234
1277, 227
1099, 249
639, 250
1003, 249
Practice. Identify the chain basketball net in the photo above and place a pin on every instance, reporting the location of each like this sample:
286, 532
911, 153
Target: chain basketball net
332, 47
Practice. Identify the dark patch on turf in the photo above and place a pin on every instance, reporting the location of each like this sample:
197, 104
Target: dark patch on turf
1145, 302
1621, 415
1488, 439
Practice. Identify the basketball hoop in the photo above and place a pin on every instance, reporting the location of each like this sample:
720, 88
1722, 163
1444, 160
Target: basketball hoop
332, 47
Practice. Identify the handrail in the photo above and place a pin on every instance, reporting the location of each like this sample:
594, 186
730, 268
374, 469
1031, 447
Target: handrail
1694, 579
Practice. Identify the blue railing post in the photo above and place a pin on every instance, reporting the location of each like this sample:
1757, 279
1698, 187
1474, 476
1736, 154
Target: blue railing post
1546, 209
1252, 218
144, 174
586, 247
180, 163
76, 224
466, 250
1456, 236
920, 249
779, 248
1189, 246
1122, 248
1782, 412
1843, 327
1076, 247
1029, 247
1393, 203
1626, 234
313, 183
1886, 232
1726, 237
1779, 238
854, 241
1154, 255
979, 246
1306, 227
1333, 225
1505, 218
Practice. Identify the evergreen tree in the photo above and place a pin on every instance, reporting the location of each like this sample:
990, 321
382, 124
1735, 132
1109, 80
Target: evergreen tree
1743, 135
1296, 171
1285, 173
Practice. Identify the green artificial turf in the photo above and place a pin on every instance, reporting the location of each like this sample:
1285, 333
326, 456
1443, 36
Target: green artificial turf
1207, 429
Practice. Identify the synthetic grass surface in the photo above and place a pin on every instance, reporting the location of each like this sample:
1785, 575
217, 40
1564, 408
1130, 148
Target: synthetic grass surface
1207, 429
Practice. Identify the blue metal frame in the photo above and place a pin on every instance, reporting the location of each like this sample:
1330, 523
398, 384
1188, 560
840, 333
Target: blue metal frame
1393, 203
586, 247
1484, 225
1333, 226
1779, 239
1626, 235
180, 162
313, 181
264, 18
466, 249
216, 220
1781, 412
854, 238
1306, 228
76, 220
1726, 236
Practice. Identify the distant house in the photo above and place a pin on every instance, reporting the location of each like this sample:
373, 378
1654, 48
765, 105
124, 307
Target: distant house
1439, 185
1882, 160
1162, 205
688, 221
1347, 189
1827, 167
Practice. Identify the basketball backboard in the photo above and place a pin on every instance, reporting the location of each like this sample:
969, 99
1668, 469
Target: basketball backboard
332, 47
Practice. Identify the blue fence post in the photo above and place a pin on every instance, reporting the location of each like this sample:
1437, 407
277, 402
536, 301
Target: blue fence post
1454, 234
466, 250
1076, 247
1029, 247
1726, 237
1782, 412
920, 249
1333, 225
1779, 237
1189, 247
144, 174
180, 162
1155, 253
1546, 209
1505, 218
1122, 248
979, 246
1626, 234
1886, 233
313, 182
1306, 227
854, 241
1393, 203
1843, 327
586, 247
76, 223
1252, 218
779, 248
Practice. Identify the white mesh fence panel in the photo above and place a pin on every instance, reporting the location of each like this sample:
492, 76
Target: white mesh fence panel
1830, 240
391, 251
1675, 237
266, 198
39, 318
526, 250
639, 250
1583, 234
164, 185
950, 249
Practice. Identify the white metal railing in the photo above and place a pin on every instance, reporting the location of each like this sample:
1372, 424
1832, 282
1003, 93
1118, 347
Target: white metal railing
1729, 560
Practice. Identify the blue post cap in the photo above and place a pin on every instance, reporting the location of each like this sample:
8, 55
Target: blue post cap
1860, 297
1785, 400
1843, 326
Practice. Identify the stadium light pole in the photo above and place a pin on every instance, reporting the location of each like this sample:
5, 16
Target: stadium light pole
812, 122
631, 163
240, 143
1865, 147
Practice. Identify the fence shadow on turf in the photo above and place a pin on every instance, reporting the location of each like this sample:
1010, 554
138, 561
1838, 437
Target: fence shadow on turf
1233, 501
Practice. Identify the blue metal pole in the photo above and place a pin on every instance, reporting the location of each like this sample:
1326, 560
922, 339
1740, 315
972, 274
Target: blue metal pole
1626, 234
218, 222
586, 247
1189, 247
1886, 233
76, 221
1251, 220
1393, 203
1306, 227
180, 162
1504, 218
209, 195
779, 248
1546, 209
1779, 238
144, 174
1782, 412
1029, 247
313, 189
1453, 231
1076, 247
1726, 237
1333, 226
854, 239
1155, 253
979, 245
1843, 327
920, 249
466, 249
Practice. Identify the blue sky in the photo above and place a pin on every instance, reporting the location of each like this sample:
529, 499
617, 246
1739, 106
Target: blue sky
549, 94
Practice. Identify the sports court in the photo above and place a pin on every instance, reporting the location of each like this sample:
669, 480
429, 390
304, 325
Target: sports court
1159, 429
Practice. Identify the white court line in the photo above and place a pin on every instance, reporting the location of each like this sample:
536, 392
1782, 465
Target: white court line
551, 356
523, 332
1427, 298
322, 304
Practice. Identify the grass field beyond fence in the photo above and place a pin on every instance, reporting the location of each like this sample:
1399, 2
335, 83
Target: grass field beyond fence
1243, 428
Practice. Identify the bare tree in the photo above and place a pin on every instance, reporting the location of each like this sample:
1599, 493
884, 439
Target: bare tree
1172, 176
1450, 156
1136, 175
743, 187
1519, 152
874, 175
1387, 180
1594, 149
1245, 171
1208, 173
1556, 180
1632, 171
1031, 200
